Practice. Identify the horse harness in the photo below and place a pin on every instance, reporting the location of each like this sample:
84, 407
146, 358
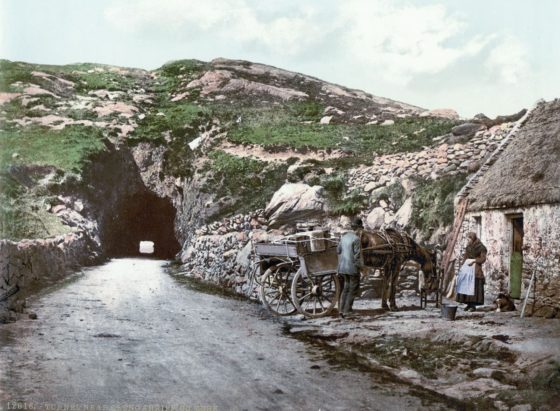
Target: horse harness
397, 244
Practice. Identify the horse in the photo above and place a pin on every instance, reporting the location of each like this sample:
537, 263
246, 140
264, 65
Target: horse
389, 249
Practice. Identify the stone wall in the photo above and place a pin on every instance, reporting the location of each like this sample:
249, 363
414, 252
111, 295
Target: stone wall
447, 158
541, 252
222, 253
29, 264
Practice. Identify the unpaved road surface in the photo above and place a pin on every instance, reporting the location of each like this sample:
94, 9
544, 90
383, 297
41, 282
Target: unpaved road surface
128, 334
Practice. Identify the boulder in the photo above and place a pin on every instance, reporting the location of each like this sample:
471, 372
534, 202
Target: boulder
372, 185
466, 129
441, 112
402, 217
375, 218
510, 118
484, 372
408, 185
483, 119
293, 202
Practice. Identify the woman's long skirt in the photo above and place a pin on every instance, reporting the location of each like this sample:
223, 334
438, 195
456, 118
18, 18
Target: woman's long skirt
477, 298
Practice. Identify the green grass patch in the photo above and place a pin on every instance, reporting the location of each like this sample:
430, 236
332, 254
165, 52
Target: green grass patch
433, 201
395, 194
178, 158
244, 115
28, 155
12, 72
340, 202
351, 204
308, 110
178, 73
180, 120
84, 114
279, 129
102, 80
15, 110
67, 149
250, 183
24, 220
86, 76
23, 212
188, 68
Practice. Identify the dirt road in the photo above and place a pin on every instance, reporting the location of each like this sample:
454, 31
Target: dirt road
128, 334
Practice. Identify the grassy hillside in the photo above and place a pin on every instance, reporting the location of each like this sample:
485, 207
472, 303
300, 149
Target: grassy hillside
282, 129
242, 184
59, 116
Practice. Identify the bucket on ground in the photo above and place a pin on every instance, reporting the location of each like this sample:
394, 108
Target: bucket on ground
448, 311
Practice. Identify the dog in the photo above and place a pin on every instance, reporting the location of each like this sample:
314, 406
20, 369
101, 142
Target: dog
504, 303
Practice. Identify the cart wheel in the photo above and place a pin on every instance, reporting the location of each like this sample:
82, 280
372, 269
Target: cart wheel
275, 289
315, 296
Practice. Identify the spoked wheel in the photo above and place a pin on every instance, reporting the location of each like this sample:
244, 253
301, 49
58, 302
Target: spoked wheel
315, 295
275, 289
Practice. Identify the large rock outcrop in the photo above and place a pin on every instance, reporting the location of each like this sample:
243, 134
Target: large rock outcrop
296, 201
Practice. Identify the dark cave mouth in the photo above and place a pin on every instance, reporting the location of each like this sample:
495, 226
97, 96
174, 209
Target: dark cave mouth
141, 218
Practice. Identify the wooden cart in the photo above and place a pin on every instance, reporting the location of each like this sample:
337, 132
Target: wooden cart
299, 274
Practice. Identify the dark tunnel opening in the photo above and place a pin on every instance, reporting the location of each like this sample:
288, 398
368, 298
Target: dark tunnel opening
141, 217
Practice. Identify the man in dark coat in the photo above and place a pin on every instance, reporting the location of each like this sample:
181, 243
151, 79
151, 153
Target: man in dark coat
349, 263
475, 251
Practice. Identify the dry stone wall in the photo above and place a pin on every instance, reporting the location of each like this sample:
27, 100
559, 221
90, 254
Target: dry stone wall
29, 263
221, 252
447, 158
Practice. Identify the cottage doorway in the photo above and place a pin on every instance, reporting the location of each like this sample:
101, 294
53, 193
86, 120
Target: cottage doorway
516, 262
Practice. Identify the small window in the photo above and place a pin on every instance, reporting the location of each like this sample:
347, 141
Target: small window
146, 247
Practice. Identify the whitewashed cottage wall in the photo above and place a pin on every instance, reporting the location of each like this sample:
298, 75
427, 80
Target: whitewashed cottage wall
541, 226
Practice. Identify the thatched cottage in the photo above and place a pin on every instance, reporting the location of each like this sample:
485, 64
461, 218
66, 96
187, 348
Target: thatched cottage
514, 206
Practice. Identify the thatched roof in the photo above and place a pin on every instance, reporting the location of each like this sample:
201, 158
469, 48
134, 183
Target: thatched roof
527, 172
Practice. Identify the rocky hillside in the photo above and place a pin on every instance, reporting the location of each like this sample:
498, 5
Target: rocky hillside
196, 149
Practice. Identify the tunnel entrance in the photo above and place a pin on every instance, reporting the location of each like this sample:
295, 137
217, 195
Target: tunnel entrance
141, 217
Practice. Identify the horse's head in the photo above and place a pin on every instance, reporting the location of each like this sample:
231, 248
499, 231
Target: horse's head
429, 261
